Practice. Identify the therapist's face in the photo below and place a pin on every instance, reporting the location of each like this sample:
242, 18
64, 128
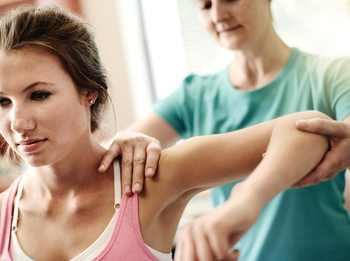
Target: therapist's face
235, 24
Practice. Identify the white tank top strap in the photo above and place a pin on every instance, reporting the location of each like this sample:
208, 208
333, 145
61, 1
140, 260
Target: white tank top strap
16, 204
117, 185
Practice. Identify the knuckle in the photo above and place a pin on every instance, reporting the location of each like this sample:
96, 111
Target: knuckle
139, 139
183, 232
317, 123
108, 152
317, 180
137, 180
127, 162
336, 163
220, 255
152, 162
213, 226
126, 180
155, 141
153, 148
140, 160
126, 142
342, 125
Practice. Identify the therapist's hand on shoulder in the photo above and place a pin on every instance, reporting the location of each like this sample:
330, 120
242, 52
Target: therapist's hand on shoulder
338, 156
140, 154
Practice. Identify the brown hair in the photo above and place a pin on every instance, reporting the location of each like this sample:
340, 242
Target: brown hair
66, 36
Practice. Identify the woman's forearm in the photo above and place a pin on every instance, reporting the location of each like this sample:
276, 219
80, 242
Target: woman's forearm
204, 162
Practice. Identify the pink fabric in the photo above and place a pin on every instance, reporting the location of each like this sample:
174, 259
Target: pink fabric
6, 222
125, 244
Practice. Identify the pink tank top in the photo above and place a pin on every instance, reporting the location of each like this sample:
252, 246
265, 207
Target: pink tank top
125, 243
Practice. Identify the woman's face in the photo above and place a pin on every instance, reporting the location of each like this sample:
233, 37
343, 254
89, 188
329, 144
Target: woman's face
235, 24
42, 116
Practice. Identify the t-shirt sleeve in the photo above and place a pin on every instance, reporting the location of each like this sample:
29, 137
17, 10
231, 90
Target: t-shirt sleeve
338, 88
177, 108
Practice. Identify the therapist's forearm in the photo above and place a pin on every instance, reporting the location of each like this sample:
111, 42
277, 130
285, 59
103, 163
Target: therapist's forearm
155, 126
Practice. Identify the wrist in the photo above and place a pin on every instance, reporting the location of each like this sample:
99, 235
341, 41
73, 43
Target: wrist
248, 196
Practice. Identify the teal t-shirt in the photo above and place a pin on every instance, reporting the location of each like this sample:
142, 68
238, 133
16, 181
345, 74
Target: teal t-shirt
303, 224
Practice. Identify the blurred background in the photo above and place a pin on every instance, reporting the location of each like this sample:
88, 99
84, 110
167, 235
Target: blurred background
149, 46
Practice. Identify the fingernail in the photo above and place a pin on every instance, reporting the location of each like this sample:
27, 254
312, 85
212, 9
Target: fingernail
149, 172
102, 167
127, 189
303, 123
137, 188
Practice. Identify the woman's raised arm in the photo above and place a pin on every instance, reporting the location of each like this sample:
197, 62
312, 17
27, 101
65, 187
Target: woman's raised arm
204, 162
290, 156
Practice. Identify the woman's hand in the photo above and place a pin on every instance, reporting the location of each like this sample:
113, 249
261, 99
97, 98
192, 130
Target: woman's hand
338, 156
211, 236
140, 155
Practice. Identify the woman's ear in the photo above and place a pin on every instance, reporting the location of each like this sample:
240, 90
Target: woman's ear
90, 97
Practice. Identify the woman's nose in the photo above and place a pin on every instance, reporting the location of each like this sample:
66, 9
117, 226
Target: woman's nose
22, 120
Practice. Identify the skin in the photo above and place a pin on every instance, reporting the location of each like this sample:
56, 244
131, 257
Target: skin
76, 202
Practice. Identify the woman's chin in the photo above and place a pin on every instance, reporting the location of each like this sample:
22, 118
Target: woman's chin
36, 162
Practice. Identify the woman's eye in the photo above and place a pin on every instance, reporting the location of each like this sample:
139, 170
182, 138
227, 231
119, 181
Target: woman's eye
4, 102
39, 96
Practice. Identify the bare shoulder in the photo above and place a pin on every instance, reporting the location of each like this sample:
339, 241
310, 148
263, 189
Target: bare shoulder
160, 190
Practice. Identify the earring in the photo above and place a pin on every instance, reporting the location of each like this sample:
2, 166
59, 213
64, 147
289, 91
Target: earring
92, 101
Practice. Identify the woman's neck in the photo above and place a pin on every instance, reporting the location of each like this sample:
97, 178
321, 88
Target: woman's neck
258, 63
70, 175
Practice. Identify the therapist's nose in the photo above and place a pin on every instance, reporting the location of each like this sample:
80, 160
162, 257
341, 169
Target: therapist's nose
218, 12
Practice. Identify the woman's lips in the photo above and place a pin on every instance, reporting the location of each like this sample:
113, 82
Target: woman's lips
31, 145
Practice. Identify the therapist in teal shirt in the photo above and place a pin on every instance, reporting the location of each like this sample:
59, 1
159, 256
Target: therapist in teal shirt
267, 79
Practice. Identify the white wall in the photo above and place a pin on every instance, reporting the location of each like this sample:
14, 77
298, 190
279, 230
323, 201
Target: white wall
106, 18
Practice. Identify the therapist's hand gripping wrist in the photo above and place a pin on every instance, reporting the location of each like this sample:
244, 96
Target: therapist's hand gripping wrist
338, 156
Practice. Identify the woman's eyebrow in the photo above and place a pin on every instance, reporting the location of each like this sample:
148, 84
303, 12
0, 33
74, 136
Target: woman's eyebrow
32, 86
35, 84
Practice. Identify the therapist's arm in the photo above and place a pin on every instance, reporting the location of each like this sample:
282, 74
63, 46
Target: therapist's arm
155, 126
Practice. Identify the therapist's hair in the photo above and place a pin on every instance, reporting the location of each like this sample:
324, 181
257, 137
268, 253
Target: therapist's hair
66, 36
